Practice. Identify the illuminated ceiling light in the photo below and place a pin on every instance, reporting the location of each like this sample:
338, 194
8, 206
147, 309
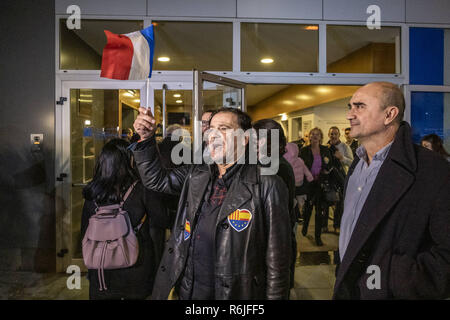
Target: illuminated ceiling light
283, 117
155, 24
86, 95
179, 101
288, 102
164, 59
312, 28
137, 100
267, 60
323, 90
127, 94
177, 95
87, 122
303, 97
85, 100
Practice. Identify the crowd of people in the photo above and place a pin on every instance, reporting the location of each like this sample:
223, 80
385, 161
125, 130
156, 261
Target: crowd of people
233, 230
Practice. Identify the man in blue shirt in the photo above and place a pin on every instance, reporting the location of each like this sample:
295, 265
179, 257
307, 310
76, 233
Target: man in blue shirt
395, 240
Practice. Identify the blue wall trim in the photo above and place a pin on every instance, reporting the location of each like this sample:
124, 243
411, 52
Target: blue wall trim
426, 56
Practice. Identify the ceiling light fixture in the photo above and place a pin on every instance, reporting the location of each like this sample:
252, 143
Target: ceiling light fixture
323, 90
312, 28
267, 60
164, 59
177, 95
303, 97
179, 101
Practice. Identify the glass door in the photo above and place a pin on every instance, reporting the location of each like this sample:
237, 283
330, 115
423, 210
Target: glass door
96, 111
92, 115
212, 92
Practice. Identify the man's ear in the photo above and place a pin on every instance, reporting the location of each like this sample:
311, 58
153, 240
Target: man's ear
391, 113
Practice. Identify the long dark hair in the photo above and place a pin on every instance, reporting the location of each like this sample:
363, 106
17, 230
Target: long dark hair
113, 174
436, 144
270, 124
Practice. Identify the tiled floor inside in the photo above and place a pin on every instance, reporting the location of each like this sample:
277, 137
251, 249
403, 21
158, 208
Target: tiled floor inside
314, 275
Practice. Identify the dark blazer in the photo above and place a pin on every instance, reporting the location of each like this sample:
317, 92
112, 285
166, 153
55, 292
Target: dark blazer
308, 157
251, 264
403, 228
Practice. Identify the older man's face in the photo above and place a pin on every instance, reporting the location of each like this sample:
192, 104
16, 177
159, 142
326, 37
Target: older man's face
222, 139
334, 135
365, 113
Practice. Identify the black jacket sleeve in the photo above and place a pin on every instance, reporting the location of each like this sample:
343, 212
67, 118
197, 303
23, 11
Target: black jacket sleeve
278, 255
428, 274
154, 176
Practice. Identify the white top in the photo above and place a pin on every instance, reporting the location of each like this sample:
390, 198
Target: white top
345, 150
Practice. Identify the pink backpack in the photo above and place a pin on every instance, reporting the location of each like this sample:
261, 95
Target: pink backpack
110, 241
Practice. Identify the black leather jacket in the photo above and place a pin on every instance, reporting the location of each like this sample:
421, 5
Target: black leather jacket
250, 264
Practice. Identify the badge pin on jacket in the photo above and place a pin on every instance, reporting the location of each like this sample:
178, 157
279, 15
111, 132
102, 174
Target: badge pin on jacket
240, 219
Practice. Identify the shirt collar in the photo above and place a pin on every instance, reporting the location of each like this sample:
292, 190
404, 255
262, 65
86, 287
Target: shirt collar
380, 155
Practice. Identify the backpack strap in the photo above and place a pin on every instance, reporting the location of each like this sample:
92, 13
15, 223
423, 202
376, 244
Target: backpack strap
127, 193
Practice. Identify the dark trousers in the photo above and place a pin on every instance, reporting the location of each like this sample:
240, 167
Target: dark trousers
314, 199
339, 209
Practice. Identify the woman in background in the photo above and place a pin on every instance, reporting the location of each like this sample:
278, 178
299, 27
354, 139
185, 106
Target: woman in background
317, 158
434, 143
113, 176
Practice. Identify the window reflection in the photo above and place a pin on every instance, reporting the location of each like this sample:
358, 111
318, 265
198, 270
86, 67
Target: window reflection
357, 49
82, 49
279, 47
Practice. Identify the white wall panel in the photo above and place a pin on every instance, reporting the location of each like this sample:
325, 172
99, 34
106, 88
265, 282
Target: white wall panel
280, 9
104, 7
356, 10
428, 11
192, 8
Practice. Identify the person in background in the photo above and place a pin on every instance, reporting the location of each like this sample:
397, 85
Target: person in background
300, 142
434, 143
113, 175
285, 172
342, 158
343, 152
352, 143
127, 134
206, 116
317, 158
301, 172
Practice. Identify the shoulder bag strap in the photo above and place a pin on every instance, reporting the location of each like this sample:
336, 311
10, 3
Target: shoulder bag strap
128, 193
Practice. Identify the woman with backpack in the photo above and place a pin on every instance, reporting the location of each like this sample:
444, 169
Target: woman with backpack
122, 227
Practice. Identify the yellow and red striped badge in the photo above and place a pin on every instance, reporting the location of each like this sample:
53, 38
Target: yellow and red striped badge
187, 230
240, 219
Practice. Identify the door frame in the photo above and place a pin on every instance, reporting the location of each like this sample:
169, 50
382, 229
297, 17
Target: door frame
63, 140
63, 208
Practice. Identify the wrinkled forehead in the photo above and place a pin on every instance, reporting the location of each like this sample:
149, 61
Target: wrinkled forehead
369, 93
224, 119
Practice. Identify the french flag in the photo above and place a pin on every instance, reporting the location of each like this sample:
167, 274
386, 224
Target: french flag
128, 56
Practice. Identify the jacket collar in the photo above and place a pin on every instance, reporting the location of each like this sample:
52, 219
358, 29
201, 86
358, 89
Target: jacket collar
240, 191
394, 178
